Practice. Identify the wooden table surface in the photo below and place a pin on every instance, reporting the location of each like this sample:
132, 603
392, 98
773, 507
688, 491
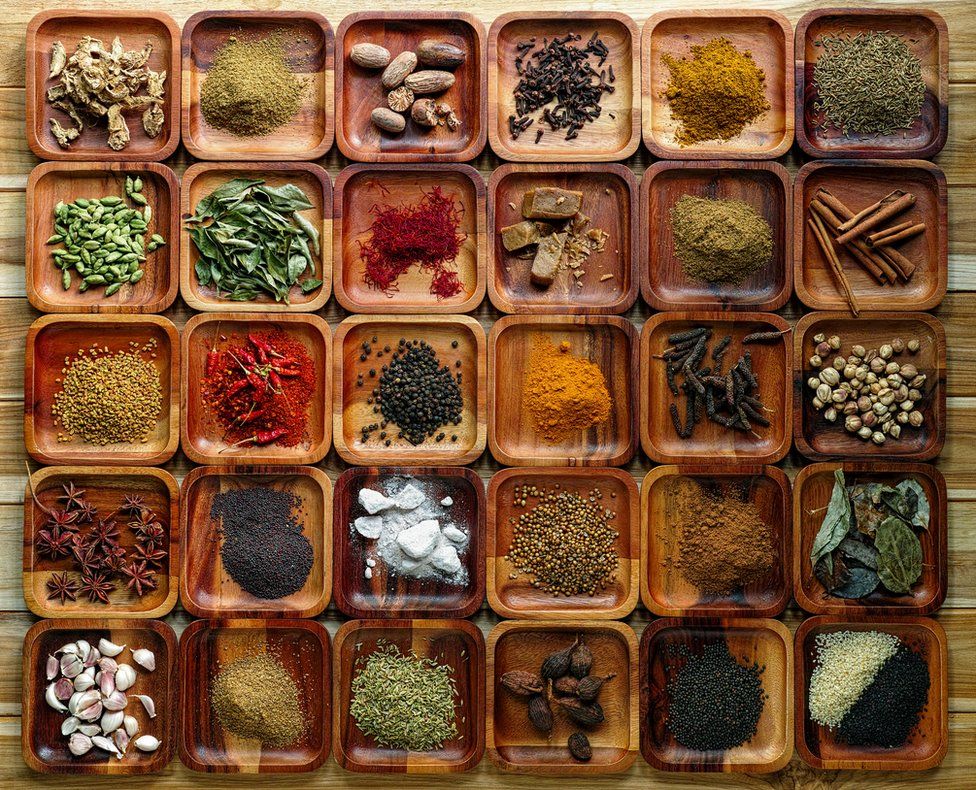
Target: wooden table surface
958, 313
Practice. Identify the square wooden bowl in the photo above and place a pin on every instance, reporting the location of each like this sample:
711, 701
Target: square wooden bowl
812, 488
206, 588
386, 594
200, 435
106, 490
135, 28
302, 647
202, 178
518, 598
613, 136
820, 440
766, 34
351, 409
53, 182
766, 642
765, 186
926, 747
362, 188
711, 443
308, 42
610, 200
928, 37
514, 745
51, 339
665, 592
45, 749
858, 183
359, 91
457, 643
610, 342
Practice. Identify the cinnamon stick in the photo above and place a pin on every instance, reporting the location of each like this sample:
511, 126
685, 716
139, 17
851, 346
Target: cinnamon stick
869, 261
895, 235
904, 266
830, 254
867, 212
882, 214
858, 245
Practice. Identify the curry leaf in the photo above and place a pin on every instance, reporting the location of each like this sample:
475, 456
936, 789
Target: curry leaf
836, 523
899, 555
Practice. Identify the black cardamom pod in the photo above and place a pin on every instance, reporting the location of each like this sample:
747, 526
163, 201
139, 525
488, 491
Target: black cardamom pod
523, 684
589, 687
540, 715
588, 713
565, 686
581, 660
557, 664
579, 747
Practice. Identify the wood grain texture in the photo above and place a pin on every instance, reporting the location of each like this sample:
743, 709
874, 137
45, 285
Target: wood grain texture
515, 746
43, 746
928, 38
859, 184
308, 44
820, 440
202, 178
362, 189
206, 588
925, 749
765, 186
813, 486
53, 338
664, 590
609, 342
54, 182
106, 489
359, 90
387, 594
765, 642
610, 200
767, 35
613, 136
301, 647
455, 643
201, 436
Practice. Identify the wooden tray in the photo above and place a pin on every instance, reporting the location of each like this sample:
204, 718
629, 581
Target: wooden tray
925, 749
859, 183
351, 410
206, 589
711, 443
106, 490
928, 38
763, 185
766, 34
202, 178
135, 27
361, 188
767, 642
665, 592
359, 91
387, 595
457, 643
518, 598
608, 138
309, 49
812, 493
201, 437
53, 182
610, 200
45, 749
50, 339
608, 341
302, 647
514, 745
820, 440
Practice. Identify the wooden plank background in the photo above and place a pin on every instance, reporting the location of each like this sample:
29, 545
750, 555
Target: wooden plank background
958, 313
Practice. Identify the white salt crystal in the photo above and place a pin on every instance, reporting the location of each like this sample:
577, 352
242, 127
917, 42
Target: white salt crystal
409, 498
447, 501
454, 534
368, 573
420, 539
371, 562
369, 526
373, 501
445, 558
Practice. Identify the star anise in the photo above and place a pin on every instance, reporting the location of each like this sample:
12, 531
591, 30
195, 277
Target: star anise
63, 520
114, 560
153, 532
149, 553
72, 496
62, 587
105, 533
141, 579
133, 504
86, 512
86, 554
96, 587
54, 543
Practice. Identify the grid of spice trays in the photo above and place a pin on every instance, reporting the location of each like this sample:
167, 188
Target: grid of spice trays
563, 379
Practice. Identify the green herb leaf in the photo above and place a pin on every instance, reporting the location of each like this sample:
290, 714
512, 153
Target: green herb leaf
899, 555
862, 582
835, 525
913, 493
308, 286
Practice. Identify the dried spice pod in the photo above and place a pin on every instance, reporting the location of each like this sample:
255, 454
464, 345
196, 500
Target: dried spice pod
565, 686
579, 747
523, 684
440, 54
581, 660
589, 687
399, 68
540, 714
588, 713
557, 664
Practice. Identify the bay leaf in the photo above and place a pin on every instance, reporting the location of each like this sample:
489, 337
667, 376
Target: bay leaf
862, 583
836, 523
858, 551
922, 513
899, 555
865, 500
834, 577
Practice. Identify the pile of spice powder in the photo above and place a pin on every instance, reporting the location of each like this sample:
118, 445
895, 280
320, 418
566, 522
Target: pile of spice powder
249, 90
720, 240
424, 234
256, 697
715, 93
109, 398
563, 393
404, 701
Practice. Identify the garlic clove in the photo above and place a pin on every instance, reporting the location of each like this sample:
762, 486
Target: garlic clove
125, 678
92, 712
106, 683
144, 658
90, 672
79, 744
82, 699
108, 648
107, 664
64, 688
84, 682
115, 701
69, 649
148, 704
84, 649
93, 657
147, 743
121, 739
111, 720
71, 665
70, 725
53, 666
89, 729
105, 744
131, 724
51, 697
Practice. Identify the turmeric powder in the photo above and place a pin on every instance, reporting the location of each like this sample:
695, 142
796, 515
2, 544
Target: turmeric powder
563, 393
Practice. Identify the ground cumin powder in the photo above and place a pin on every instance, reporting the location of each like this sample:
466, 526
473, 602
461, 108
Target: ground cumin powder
564, 394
